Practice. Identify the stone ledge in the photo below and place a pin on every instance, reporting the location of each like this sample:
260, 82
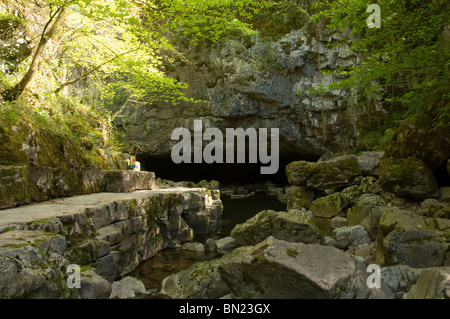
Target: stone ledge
21, 185
128, 181
110, 233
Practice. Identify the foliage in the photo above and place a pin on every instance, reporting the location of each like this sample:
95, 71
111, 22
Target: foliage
278, 17
404, 60
105, 51
206, 20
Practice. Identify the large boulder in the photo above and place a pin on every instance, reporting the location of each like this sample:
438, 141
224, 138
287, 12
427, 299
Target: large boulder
338, 172
407, 239
93, 286
283, 270
201, 280
409, 177
433, 283
425, 135
294, 226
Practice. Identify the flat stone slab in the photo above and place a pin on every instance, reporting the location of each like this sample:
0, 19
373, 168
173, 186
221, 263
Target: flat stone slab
76, 204
128, 181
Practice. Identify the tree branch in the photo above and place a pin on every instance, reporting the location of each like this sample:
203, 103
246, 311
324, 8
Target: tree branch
84, 75
46, 35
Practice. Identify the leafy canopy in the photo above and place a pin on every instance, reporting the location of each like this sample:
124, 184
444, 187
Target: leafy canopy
119, 44
405, 60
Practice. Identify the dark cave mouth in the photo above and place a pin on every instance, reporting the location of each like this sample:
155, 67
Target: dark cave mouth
226, 174
232, 174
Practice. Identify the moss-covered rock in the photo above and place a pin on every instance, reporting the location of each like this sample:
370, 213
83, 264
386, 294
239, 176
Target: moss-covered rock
38, 163
407, 239
433, 283
434, 208
426, 135
339, 172
202, 280
298, 197
409, 177
294, 226
280, 269
14, 186
329, 206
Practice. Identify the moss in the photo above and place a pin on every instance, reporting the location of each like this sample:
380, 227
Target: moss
279, 18
132, 204
340, 290
292, 252
323, 226
40, 221
11, 145
5, 230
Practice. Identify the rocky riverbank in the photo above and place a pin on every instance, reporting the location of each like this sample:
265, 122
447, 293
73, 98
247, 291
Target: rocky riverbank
343, 214
106, 235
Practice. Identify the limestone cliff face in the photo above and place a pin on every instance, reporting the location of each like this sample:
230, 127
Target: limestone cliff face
254, 83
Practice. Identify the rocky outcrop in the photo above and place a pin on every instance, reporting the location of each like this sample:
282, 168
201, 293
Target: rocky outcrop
253, 83
409, 177
338, 172
276, 269
359, 224
37, 165
293, 225
426, 135
406, 239
101, 232
313, 271
29, 264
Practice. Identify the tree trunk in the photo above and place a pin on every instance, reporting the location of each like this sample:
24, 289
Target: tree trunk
20, 87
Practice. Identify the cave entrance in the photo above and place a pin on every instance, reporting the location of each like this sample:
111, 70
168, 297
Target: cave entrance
226, 174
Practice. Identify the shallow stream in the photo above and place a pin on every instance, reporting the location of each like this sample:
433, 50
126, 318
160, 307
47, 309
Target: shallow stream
169, 261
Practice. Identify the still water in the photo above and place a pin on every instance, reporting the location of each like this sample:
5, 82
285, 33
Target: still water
169, 261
